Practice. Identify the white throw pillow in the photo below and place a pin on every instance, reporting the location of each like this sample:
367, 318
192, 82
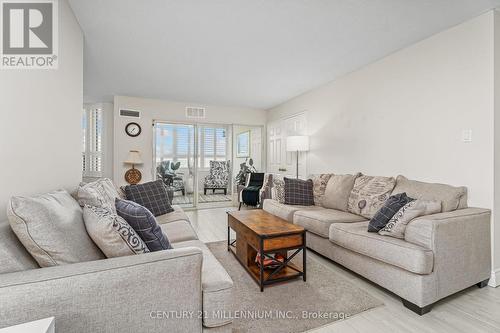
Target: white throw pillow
101, 193
112, 234
396, 226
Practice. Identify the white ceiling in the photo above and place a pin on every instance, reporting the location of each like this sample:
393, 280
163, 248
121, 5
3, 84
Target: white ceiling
255, 53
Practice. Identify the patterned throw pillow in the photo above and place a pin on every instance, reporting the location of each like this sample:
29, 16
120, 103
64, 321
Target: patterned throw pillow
299, 192
369, 194
319, 186
387, 211
144, 224
278, 190
265, 191
101, 193
397, 225
152, 195
112, 234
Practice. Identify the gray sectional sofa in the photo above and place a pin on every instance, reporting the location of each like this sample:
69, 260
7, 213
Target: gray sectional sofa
164, 291
440, 254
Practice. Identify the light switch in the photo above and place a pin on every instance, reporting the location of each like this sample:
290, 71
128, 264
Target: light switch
467, 135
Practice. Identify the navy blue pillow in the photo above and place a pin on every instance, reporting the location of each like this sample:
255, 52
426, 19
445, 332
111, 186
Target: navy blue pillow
387, 211
144, 224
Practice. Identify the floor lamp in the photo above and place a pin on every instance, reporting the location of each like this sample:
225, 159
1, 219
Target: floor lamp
297, 143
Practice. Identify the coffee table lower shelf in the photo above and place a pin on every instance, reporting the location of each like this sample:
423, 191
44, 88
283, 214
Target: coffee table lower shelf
270, 276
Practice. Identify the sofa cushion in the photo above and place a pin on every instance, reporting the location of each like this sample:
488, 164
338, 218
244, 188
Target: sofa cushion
112, 234
318, 221
51, 228
337, 191
176, 215
299, 192
451, 197
144, 223
387, 211
13, 255
152, 195
216, 285
369, 194
100, 193
284, 211
393, 251
179, 231
319, 186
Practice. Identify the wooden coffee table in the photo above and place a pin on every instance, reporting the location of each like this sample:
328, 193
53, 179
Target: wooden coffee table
260, 232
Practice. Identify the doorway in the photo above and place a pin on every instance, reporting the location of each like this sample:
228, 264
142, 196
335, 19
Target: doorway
195, 163
280, 161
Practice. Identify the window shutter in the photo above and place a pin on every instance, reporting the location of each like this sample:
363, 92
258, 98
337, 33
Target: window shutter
92, 157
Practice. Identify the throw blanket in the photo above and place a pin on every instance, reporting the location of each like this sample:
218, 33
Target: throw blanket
251, 193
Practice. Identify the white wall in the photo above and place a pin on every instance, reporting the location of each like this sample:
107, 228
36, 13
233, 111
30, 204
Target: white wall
153, 109
405, 114
40, 127
496, 213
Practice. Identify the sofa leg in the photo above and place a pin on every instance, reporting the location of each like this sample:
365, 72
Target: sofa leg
239, 208
482, 284
205, 191
225, 191
417, 309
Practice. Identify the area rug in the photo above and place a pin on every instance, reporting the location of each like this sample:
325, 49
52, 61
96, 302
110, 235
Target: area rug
203, 198
293, 306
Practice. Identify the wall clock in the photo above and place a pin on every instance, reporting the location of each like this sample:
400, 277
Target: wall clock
133, 129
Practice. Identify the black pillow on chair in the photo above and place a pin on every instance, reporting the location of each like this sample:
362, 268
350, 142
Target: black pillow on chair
152, 195
387, 211
299, 192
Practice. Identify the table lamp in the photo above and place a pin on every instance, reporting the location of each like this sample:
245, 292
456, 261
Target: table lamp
133, 176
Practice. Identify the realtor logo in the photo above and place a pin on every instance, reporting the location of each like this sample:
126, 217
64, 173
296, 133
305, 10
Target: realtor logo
29, 34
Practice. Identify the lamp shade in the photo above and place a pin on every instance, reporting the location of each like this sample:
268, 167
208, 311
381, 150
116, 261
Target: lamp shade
297, 143
134, 157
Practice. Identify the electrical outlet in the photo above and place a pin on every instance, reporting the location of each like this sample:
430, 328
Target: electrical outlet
467, 135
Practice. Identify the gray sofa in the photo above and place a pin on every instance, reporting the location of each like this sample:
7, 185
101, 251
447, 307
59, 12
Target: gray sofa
440, 254
128, 294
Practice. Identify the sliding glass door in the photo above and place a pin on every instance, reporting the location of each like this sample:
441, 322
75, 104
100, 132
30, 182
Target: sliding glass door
194, 162
174, 149
214, 165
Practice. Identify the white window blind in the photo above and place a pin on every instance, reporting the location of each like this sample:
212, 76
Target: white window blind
174, 143
92, 128
212, 145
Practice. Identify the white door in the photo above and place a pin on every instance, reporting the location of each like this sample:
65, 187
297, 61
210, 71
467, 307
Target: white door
279, 160
275, 148
256, 147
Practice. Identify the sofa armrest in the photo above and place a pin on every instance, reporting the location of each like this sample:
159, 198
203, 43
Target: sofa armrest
421, 231
460, 241
126, 294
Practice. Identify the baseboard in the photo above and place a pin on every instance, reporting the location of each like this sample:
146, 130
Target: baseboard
494, 279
